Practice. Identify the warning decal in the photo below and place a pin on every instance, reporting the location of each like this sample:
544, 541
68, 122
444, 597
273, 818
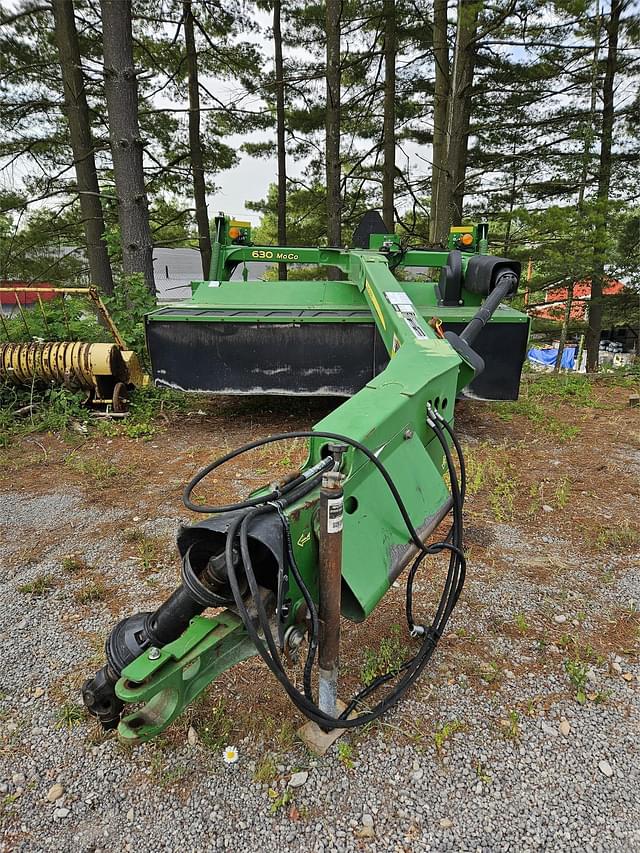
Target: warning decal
405, 308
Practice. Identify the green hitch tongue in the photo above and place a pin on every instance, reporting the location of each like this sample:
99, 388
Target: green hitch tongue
164, 681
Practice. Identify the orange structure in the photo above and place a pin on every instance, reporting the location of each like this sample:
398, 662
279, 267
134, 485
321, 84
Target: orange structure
553, 307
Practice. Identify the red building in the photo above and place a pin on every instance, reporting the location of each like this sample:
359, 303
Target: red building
11, 298
553, 307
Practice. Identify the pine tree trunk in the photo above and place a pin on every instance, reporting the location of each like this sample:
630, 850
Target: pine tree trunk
195, 143
584, 176
389, 121
332, 127
77, 112
121, 90
280, 133
460, 107
439, 207
604, 184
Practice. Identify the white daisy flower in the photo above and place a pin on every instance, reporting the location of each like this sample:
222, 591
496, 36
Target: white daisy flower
230, 754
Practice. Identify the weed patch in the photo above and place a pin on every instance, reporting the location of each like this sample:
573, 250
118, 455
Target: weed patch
95, 590
389, 657
510, 726
446, 731
266, 770
622, 537
69, 715
577, 672
39, 586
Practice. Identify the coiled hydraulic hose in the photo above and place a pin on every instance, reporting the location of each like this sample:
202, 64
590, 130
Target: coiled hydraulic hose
276, 501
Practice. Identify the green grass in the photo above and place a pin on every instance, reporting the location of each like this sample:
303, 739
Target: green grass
486, 468
511, 725
146, 405
54, 410
481, 773
98, 470
568, 388
502, 495
389, 657
540, 394
148, 552
40, 585
69, 715
577, 673
621, 537
491, 672
214, 727
562, 493
95, 590
61, 411
521, 623
475, 470
446, 731
345, 754
73, 564
266, 770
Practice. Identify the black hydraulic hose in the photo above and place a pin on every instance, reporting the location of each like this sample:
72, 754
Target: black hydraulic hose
413, 666
456, 443
278, 494
277, 500
503, 286
311, 605
309, 709
457, 515
454, 533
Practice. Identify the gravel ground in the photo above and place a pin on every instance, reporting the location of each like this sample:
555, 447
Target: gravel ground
519, 766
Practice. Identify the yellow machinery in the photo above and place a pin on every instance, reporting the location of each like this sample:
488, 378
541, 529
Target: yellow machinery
105, 371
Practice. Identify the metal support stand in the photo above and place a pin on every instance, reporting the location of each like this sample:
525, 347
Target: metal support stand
330, 580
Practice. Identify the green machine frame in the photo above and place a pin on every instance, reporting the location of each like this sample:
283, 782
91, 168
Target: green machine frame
304, 336
391, 421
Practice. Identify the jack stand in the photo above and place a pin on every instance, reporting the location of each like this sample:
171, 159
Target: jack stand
330, 580
329, 583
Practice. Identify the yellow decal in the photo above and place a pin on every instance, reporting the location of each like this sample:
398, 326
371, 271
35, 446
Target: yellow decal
304, 538
268, 255
375, 303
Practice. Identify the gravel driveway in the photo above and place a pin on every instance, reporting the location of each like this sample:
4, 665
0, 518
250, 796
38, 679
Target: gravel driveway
523, 735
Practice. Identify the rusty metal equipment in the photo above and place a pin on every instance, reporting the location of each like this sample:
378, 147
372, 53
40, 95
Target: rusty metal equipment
106, 371
98, 369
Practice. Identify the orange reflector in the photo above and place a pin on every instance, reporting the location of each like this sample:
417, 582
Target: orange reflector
234, 233
466, 239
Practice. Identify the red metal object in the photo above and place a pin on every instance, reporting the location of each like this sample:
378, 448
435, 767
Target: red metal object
21, 291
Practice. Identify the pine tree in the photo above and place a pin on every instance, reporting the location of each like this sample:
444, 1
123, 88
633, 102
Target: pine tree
77, 112
121, 91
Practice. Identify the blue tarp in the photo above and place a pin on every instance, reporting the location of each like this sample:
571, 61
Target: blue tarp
548, 357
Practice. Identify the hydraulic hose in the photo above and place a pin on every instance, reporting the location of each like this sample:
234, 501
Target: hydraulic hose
276, 501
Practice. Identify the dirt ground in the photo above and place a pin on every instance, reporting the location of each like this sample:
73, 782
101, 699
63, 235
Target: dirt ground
552, 539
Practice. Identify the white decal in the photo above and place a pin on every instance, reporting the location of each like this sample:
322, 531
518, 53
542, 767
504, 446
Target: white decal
335, 510
405, 308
